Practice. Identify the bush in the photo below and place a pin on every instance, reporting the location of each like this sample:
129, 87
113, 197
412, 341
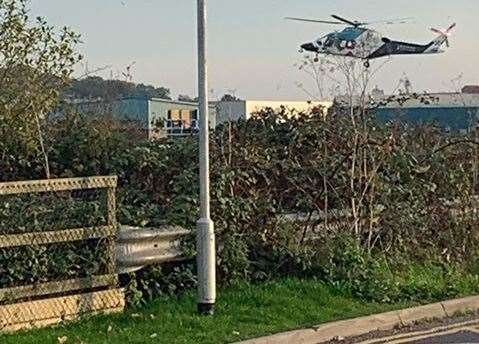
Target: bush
26, 265
396, 184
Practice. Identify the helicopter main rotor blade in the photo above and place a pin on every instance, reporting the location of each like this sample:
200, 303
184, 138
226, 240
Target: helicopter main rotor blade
390, 21
355, 23
314, 21
342, 21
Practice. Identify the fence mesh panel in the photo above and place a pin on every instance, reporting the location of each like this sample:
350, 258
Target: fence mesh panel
57, 253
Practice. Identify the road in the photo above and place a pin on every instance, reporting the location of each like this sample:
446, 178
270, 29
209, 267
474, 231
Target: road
457, 330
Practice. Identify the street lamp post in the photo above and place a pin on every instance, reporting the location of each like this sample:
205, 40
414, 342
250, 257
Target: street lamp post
205, 236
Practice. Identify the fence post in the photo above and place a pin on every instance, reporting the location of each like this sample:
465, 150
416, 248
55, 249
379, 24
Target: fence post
111, 221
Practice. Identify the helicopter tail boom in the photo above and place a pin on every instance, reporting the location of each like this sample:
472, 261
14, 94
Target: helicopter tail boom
405, 48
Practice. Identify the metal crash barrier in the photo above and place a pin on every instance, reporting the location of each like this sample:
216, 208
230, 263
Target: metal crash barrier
140, 247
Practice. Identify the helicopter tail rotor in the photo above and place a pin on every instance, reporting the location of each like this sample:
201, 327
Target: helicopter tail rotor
445, 33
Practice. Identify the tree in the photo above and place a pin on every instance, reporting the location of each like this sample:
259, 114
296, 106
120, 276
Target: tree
349, 80
187, 98
95, 87
36, 63
229, 98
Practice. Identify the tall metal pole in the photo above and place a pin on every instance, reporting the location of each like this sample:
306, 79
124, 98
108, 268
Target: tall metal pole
205, 235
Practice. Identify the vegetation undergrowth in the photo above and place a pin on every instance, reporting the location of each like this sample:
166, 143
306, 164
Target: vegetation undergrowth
368, 212
383, 212
243, 311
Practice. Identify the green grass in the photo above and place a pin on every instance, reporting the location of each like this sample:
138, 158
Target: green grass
243, 311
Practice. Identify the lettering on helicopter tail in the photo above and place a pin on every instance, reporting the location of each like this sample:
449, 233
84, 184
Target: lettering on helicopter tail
398, 48
407, 48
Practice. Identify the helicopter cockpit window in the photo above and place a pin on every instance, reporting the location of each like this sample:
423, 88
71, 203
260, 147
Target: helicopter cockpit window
329, 42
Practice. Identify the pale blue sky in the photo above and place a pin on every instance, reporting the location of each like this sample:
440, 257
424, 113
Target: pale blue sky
252, 49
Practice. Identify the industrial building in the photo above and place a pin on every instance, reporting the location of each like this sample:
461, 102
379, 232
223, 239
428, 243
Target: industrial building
156, 117
243, 109
163, 117
455, 111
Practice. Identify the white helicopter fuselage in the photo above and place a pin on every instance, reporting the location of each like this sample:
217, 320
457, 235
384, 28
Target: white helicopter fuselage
367, 44
354, 42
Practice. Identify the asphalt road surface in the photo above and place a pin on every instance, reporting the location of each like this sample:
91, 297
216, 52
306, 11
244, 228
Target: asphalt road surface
459, 330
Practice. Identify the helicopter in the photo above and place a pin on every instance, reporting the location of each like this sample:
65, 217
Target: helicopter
358, 41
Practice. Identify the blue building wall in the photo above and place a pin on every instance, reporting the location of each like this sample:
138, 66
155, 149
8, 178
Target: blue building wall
147, 113
133, 109
453, 118
126, 109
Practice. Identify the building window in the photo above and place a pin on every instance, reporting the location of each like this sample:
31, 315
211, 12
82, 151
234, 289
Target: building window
181, 121
194, 120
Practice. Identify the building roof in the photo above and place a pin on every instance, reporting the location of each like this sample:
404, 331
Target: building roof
470, 89
166, 101
275, 101
413, 100
445, 100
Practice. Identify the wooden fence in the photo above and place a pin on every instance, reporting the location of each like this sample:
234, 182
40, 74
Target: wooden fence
50, 302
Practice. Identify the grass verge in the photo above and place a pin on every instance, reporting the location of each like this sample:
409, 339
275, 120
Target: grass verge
243, 311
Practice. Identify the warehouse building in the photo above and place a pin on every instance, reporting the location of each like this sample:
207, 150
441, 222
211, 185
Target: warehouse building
244, 109
456, 111
163, 117
155, 117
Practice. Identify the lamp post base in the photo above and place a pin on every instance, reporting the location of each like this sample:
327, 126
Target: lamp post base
206, 308
206, 258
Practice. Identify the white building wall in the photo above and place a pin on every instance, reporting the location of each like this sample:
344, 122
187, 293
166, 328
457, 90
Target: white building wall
233, 111
230, 111
253, 106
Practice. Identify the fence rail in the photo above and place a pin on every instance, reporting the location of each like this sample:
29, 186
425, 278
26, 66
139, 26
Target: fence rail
56, 185
335, 219
54, 237
50, 288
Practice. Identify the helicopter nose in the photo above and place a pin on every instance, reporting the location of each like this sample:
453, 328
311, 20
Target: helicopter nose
308, 47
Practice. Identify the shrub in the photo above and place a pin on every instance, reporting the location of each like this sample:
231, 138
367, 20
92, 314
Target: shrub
396, 185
